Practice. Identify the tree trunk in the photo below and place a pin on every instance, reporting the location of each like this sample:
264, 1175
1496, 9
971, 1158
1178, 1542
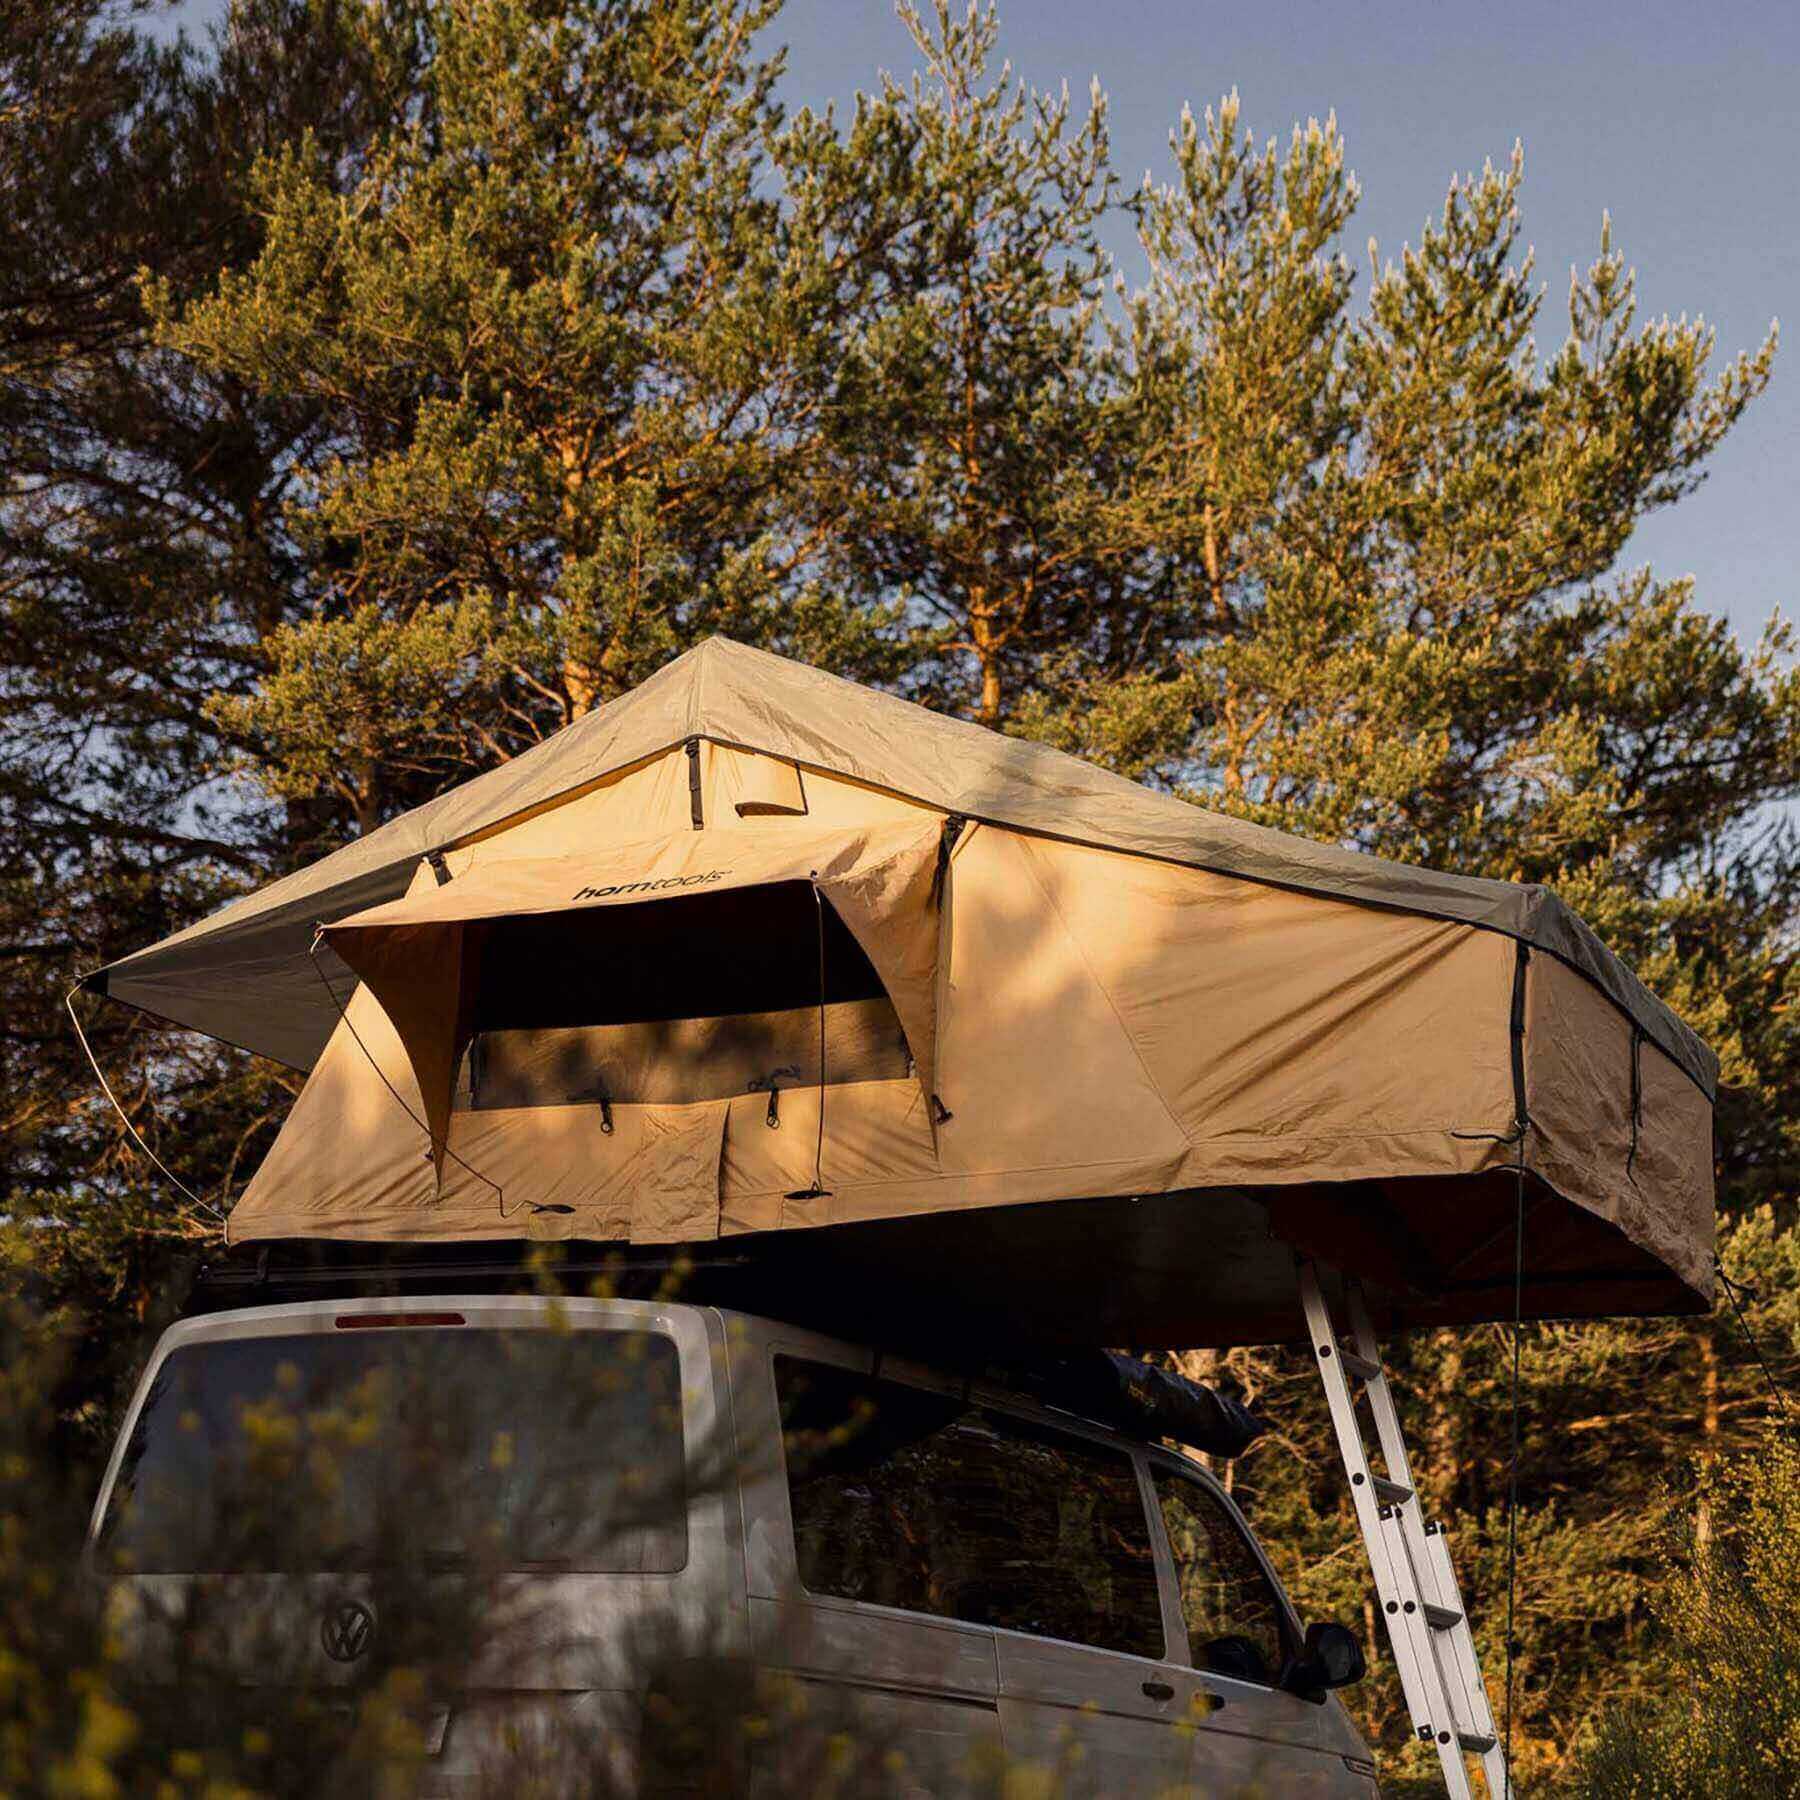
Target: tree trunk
1442, 1447
986, 642
1709, 1438
1215, 576
366, 792
990, 692
579, 684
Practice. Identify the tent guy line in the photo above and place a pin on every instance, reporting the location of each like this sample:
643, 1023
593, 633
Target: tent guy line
156, 1162
1512, 1458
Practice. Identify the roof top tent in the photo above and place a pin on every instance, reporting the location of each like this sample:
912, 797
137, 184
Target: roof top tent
952, 1034
754, 953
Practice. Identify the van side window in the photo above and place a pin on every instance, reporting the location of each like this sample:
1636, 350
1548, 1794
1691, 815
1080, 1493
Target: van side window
1235, 1623
913, 1500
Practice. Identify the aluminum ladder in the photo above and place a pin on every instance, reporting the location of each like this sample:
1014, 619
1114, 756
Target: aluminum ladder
1414, 1578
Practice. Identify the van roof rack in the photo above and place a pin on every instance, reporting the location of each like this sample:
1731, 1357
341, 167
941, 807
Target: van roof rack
1108, 1388
308, 1263
1142, 1399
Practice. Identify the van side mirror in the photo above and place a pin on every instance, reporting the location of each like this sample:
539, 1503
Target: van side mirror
1332, 1658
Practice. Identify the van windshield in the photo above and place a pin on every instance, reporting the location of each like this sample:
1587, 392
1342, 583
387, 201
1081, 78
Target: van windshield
366, 1449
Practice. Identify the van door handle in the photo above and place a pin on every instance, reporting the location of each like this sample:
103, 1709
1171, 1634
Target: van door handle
1158, 1690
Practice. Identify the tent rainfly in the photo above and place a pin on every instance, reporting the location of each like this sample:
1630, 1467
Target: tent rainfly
754, 949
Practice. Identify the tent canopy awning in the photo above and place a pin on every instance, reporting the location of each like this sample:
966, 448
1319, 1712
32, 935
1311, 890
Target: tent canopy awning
532, 939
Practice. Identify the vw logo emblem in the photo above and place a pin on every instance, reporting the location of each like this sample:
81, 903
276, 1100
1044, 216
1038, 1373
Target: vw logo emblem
346, 1629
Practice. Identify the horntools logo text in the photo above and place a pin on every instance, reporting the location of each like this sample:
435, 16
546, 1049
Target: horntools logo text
652, 887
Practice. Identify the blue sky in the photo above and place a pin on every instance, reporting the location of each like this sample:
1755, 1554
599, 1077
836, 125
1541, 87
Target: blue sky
1677, 118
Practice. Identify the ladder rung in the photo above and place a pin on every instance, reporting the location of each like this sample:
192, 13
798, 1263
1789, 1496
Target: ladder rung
1440, 1672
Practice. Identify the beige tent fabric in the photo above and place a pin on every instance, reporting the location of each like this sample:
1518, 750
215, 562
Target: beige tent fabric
1287, 1031
1082, 1023
363, 1173
667, 1183
1172, 1021
429, 1016
243, 974
877, 1141
638, 802
755, 786
630, 873
1038, 1071
889, 900
1653, 1180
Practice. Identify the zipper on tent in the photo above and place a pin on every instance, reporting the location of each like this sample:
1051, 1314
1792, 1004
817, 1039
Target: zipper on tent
1521, 1117
1637, 1099
953, 828
435, 862
696, 813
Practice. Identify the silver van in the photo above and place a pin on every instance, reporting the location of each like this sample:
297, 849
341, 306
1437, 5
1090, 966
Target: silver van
947, 1577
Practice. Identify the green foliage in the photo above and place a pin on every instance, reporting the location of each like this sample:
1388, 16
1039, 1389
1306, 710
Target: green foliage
1413, 635
552, 324
382, 386
142, 560
969, 438
1726, 1716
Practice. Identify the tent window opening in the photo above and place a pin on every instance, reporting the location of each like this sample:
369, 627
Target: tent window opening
701, 997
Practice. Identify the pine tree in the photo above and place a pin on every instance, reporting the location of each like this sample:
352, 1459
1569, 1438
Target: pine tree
968, 434
389, 384
1399, 619
142, 567
549, 332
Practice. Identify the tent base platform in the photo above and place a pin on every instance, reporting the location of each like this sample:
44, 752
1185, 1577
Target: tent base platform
1193, 1269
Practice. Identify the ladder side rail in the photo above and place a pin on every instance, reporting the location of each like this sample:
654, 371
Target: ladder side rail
1429, 1700
1428, 1550
1381, 1399
1393, 1580
1437, 1581
1453, 1645
1481, 1715
1459, 1715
